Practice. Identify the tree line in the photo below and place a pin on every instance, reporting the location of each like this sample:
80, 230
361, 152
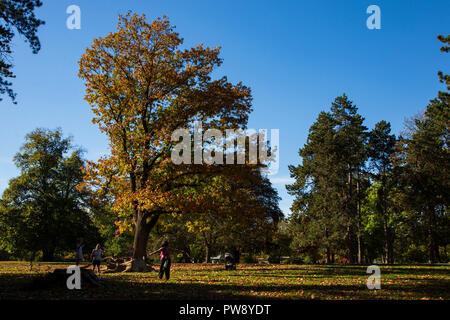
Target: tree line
141, 86
359, 194
43, 213
364, 194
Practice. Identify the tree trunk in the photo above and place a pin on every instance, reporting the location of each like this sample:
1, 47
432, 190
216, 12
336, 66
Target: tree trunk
430, 231
141, 233
359, 248
358, 209
207, 247
140, 240
431, 246
349, 208
207, 252
389, 257
236, 255
388, 237
32, 257
48, 254
328, 250
328, 259
437, 254
431, 242
349, 242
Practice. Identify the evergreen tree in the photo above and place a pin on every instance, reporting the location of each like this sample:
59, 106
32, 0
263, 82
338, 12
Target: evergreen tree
329, 182
424, 162
351, 137
381, 148
316, 222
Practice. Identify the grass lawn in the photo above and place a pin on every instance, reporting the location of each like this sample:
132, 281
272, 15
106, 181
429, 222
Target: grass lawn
197, 281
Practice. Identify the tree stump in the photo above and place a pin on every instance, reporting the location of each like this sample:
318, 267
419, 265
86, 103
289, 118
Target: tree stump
59, 278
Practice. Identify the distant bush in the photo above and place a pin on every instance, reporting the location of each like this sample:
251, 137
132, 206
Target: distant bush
4, 256
414, 254
274, 259
291, 260
308, 260
297, 260
248, 258
196, 252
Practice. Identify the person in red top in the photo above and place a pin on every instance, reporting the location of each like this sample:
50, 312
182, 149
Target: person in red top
165, 260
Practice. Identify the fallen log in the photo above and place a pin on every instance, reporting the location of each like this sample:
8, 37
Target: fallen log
58, 278
116, 266
87, 276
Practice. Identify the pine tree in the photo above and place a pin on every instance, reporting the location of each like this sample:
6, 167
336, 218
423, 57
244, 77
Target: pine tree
424, 161
381, 149
351, 137
316, 222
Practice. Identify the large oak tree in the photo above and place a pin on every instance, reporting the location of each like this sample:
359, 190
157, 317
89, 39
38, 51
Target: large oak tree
142, 86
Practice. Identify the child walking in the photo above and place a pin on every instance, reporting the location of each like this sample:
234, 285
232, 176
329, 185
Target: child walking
165, 261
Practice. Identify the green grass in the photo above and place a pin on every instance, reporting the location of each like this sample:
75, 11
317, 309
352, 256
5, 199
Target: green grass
196, 281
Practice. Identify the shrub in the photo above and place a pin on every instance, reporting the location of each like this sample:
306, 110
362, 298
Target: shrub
274, 259
248, 258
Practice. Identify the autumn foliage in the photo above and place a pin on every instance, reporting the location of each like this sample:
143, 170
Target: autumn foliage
142, 86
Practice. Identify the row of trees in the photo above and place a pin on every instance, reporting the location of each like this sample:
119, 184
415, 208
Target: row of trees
359, 192
142, 87
43, 212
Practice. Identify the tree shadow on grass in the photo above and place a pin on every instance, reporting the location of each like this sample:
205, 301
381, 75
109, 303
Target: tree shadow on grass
310, 269
361, 270
18, 287
431, 288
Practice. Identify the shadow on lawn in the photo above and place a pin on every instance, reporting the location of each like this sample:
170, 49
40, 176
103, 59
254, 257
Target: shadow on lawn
431, 288
359, 270
386, 269
114, 288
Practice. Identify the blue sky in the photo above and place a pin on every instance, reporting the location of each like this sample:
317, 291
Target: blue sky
297, 56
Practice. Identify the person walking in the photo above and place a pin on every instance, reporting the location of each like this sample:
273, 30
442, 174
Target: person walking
165, 260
